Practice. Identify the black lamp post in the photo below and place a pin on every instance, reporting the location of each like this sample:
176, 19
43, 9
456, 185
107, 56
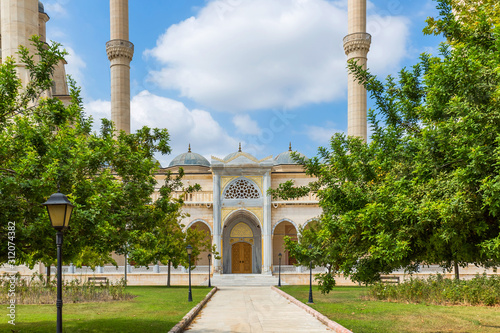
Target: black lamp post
279, 269
59, 209
209, 267
189, 249
310, 301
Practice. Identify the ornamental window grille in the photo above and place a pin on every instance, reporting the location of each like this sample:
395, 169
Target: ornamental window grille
242, 189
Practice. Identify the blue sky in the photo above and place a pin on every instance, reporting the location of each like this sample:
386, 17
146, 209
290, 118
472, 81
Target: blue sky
220, 72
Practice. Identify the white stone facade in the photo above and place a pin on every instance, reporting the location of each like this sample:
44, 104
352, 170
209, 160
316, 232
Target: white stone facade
234, 192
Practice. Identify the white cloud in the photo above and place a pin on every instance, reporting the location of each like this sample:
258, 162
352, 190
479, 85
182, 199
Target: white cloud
245, 125
197, 127
55, 8
321, 135
247, 55
98, 109
75, 66
389, 42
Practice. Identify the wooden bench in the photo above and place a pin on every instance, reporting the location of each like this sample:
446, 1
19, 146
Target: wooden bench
389, 279
98, 279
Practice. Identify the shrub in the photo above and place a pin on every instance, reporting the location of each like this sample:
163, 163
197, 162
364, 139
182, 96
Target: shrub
481, 290
37, 290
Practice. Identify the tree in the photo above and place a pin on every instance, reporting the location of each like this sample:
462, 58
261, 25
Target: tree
166, 241
45, 145
425, 189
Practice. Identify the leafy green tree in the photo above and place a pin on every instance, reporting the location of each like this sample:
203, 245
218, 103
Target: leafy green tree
46, 145
166, 241
425, 189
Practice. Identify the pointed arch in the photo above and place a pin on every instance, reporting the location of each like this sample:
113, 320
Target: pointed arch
242, 211
200, 221
286, 220
314, 219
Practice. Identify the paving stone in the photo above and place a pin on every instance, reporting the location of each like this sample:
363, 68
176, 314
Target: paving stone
253, 309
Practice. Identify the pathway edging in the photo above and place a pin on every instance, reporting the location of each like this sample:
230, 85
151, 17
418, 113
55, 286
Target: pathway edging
187, 319
322, 318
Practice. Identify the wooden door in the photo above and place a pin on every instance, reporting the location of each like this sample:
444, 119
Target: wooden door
241, 258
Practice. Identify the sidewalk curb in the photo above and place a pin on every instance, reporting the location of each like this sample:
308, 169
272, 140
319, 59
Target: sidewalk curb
329, 323
187, 319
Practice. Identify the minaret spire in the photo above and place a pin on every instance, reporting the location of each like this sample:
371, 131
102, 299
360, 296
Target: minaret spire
356, 46
120, 52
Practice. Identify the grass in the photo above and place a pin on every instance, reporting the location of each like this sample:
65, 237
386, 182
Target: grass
155, 309
346, 306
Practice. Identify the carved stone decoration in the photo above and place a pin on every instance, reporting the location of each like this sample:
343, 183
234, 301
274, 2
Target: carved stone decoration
242, 189
357, 41
241, 230
120, 48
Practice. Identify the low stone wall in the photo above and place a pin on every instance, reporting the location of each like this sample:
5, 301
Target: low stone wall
201, 277
147, 279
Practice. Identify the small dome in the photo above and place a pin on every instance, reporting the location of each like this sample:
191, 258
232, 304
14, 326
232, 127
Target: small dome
234, 154
189, 158
286, 157
41, 9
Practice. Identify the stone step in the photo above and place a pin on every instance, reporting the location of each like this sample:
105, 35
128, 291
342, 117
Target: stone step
241, 280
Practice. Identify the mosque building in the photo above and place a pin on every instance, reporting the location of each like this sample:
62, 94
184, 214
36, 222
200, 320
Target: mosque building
244, 223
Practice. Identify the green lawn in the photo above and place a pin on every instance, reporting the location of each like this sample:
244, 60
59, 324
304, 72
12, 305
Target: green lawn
345, 306
155, 309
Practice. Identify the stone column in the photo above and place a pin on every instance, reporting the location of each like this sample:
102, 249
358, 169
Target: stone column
120, 52
266, 229
356, 46
217, 222
19, 23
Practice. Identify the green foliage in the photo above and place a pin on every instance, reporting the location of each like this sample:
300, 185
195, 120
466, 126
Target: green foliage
426, 188
481, 290
37, 290
108, 176
153, 309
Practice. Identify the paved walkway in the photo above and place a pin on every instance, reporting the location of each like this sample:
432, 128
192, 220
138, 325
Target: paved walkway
253, 309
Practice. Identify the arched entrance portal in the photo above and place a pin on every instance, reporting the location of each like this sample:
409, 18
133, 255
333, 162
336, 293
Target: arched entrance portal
242, 245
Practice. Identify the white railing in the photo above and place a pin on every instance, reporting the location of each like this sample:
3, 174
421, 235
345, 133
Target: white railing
205, 197
311, 197
297, 269
151, 269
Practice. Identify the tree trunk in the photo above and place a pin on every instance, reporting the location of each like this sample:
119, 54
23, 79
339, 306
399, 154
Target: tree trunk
168, 275
457, 273
48, 275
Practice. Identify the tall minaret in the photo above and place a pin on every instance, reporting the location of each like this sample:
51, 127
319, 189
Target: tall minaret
19, 21
120, 52
356, 46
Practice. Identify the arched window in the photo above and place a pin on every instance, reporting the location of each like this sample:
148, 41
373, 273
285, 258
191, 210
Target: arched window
242, 189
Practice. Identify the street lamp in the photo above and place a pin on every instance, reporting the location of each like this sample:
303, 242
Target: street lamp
310, 301
209, 266
279, 269
59, 209
189, 249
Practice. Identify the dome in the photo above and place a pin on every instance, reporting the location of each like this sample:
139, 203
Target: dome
189, 158
286, 157
234, 154
41, 9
